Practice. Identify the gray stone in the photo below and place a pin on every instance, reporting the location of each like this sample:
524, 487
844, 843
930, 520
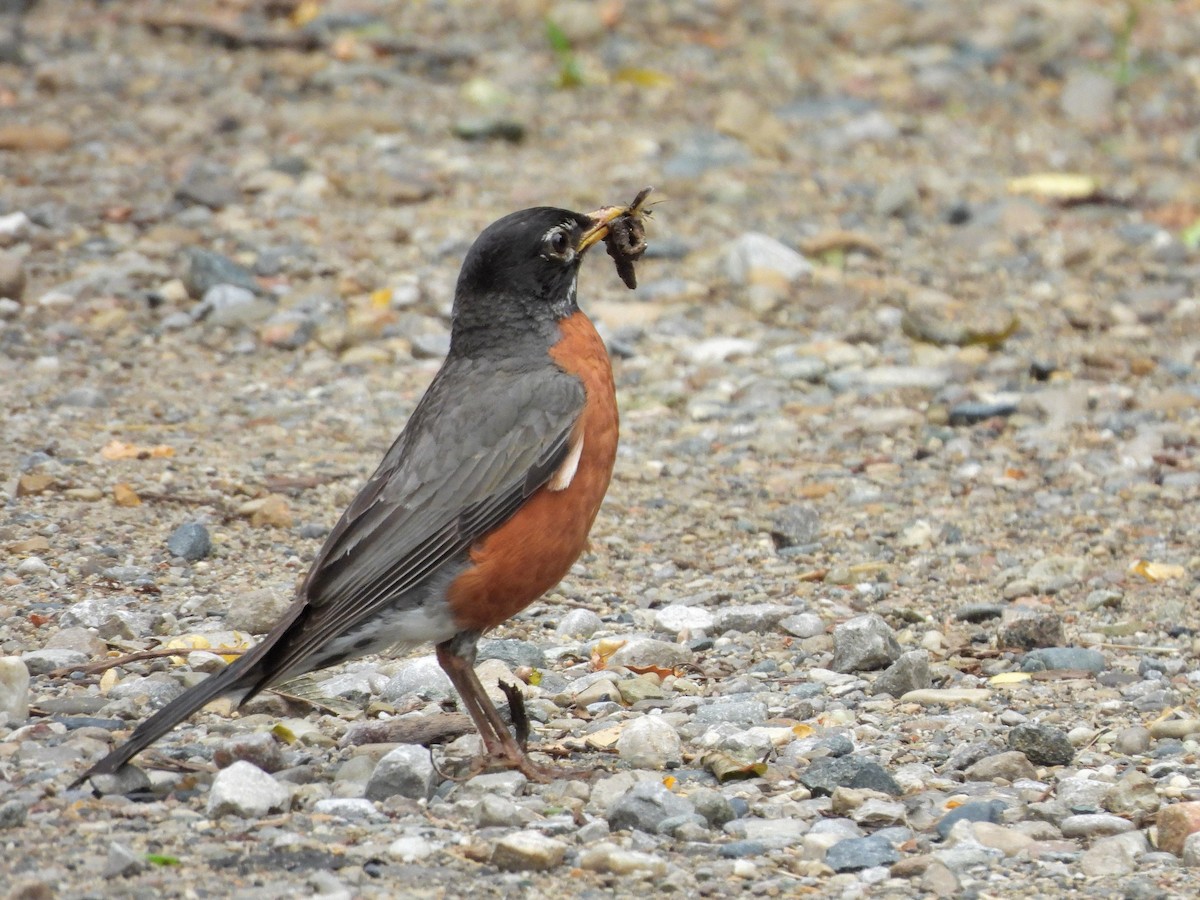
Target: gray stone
422, 677
406, 771
528, 851
864, 643
231, 306
1082, 795
260, 750
190, 541
247, 791
411, 848
12, 276
349, 808
1132, 741
14, 689
611, 859
650, 742
32, 567
39, 662
207, 269
751, 618
1056, 573
1012, 765
208, 183
733, 711
122, 862
581, 623
1116, 855
910, 672
513, 652
825, 775
753, 258
899, 197
495, 811
12, 814
679, 617
878, 379
500, 784
156, 690
645, 806
1191, 850
804, 625
1133, 796
713, 805
649, 652
355, 686
1044, 745
1088, 96
1090, 825
1075, 658
971, 811
1028, 629
854, 854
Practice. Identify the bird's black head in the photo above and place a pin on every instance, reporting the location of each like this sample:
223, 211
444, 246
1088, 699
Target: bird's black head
518, 279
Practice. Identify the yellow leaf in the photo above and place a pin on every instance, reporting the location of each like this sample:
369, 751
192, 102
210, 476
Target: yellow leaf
802, 731
646, 78
305, 12
727, 767
1010, 678
1153, 571
1055, 186
605, 648
108, 681
535, 677
669, 782
284, 733
124, 495
382, 298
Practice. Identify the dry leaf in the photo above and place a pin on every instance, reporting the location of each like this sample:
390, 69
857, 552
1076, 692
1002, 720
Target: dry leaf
32, 545
1153, 571
727, 767
122, 450
604, 739
802, 731
605, 648
653, 670
108, 681
669, 782
1010, 678
124, 495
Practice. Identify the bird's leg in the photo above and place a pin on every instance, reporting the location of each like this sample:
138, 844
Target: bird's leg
457, 659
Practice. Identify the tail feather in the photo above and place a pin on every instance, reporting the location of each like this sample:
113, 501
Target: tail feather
245, 676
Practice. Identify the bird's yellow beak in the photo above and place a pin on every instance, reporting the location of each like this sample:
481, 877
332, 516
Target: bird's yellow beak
605, 216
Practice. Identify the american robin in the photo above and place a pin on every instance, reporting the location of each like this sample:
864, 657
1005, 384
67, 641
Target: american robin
485, 499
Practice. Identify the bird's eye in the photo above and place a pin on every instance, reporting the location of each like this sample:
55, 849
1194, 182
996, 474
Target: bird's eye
558, 243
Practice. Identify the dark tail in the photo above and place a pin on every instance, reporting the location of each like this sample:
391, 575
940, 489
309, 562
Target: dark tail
247, 675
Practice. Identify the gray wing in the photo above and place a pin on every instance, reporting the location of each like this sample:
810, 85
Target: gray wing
478, 445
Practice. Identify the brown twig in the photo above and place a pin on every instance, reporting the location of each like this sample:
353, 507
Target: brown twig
91, 668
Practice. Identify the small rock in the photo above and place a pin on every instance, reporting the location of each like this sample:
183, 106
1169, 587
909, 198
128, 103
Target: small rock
1175, 823
612, 859
208, 183
1090, 825
260, 750
877, 813
1044, 745
207, 269
1191, 851
1029, 629
713, 806
39, 662
232, 306
749, 619
795, 526
122, 862
1115, 855
12, 276
721, 349
1075, 658
190, 541
679, 617
411, 848
1010, 766
645, 806
1132, 741
971, 811
581, 623
513, 652
12, 814
1087, 97
972, 413
732, 711
803, 625
854, 854
757, 258
528, 851
948, 696
422, 677
826, 774
649, 652
1175, 728
257, 611
650, 743
1056, 573
14, 689
406, 771
899, 197
979, 612
938, 880
910, 672
1008, 841
1133, 796
247, 791
351, 809
864, 643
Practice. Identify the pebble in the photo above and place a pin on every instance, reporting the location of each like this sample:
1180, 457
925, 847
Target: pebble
420, 677
1116, 855
803, 625
1029, 629
1044, 745
528, 851
645, 806
678, 617
948, 696
755, 258
259, 610
864, 643
1090, 825
1175, 823
1075, 658
613, 860
910, 672
40, 662
406, 771
411, 848
853, 854
971, 811
731, 711
795, 526
190, 541
232, 306
348, 808
12, 276
1191, 851
1010, 766
12, 814
122, 862
14, 689
750, 618
579, 623
827, 774
650, 742
649, 652
247, 791
1135, 796
1056, 573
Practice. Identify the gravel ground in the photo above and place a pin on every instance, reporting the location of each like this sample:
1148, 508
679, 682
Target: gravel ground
894, 590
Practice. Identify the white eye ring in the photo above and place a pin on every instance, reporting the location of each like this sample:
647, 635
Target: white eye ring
558, 243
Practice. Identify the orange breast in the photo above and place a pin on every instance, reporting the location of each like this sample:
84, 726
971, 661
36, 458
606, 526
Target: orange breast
530, 553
